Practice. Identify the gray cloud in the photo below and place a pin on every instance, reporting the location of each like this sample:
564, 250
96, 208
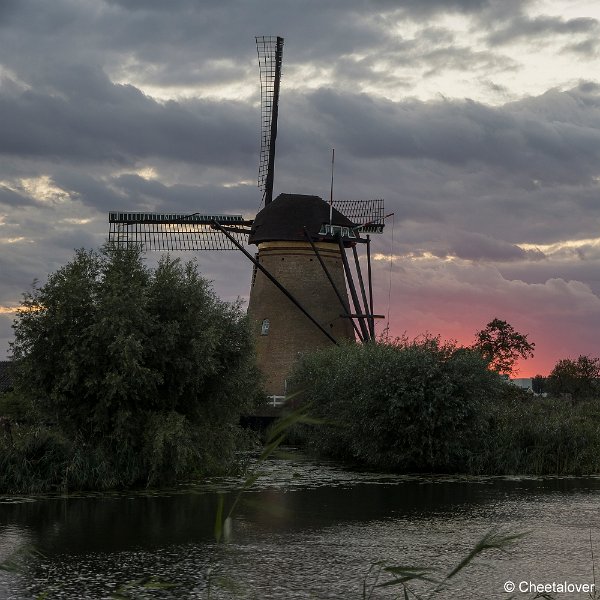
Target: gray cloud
541, 27
9, 197
94, 120
588, 48
187, 198
426, 7
174, 43
553, 138
463, 59
477, 247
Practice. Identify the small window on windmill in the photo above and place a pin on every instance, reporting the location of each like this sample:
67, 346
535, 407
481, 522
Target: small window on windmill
264, 328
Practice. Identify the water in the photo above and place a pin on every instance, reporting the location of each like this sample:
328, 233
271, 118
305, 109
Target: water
305, 530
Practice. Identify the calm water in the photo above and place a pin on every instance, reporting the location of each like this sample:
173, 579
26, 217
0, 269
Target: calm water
306, 530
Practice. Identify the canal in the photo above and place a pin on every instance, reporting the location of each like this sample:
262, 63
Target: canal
306, 529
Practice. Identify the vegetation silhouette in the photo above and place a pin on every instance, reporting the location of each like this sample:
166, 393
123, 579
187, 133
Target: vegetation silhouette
502, 346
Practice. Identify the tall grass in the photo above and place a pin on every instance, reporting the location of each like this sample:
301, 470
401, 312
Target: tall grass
540, 436
162, 449
404, 577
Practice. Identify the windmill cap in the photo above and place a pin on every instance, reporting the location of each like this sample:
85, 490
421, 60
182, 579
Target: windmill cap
284, 219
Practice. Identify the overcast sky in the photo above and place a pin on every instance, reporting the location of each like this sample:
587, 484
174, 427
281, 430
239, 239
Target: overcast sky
478, 121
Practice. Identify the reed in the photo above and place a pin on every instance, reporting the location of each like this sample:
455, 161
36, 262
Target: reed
540, 436
434, 583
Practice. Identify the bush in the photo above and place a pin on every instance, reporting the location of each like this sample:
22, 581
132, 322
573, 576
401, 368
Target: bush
145, 372
411, 406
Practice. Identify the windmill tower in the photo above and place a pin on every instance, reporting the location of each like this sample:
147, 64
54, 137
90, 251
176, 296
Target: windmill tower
302, 275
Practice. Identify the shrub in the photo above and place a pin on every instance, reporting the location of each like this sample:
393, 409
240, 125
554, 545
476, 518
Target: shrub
404, 405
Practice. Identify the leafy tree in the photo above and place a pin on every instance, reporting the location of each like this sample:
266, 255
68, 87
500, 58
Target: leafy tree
580, 378
407, 405
502, 346
143, 372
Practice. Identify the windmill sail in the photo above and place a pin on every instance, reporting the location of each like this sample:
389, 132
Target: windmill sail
270, 56
173, 231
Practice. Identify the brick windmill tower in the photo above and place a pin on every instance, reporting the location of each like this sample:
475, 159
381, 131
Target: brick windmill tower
302, 274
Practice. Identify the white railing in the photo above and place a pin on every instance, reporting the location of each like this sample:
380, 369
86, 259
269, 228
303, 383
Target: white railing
275, 401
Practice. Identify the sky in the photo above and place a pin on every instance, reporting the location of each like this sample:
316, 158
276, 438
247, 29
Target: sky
478, 122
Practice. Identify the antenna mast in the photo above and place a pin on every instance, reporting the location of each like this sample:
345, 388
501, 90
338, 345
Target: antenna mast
331, 190
270, 56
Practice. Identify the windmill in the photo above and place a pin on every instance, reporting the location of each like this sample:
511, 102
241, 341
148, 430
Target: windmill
301, 273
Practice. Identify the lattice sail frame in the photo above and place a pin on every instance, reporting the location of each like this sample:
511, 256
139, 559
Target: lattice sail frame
369, 214
270, 55
173, 231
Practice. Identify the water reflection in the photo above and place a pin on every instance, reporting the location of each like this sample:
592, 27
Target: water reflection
305, 528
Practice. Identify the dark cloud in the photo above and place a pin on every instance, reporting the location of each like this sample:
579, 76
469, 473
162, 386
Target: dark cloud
518, 138
163, 7
477, 247
93, 120
186, 198
175, 43
9, 197
428, 7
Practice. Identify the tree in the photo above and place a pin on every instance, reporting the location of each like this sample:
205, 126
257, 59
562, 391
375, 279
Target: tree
502, 346
580, 378
145, 371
